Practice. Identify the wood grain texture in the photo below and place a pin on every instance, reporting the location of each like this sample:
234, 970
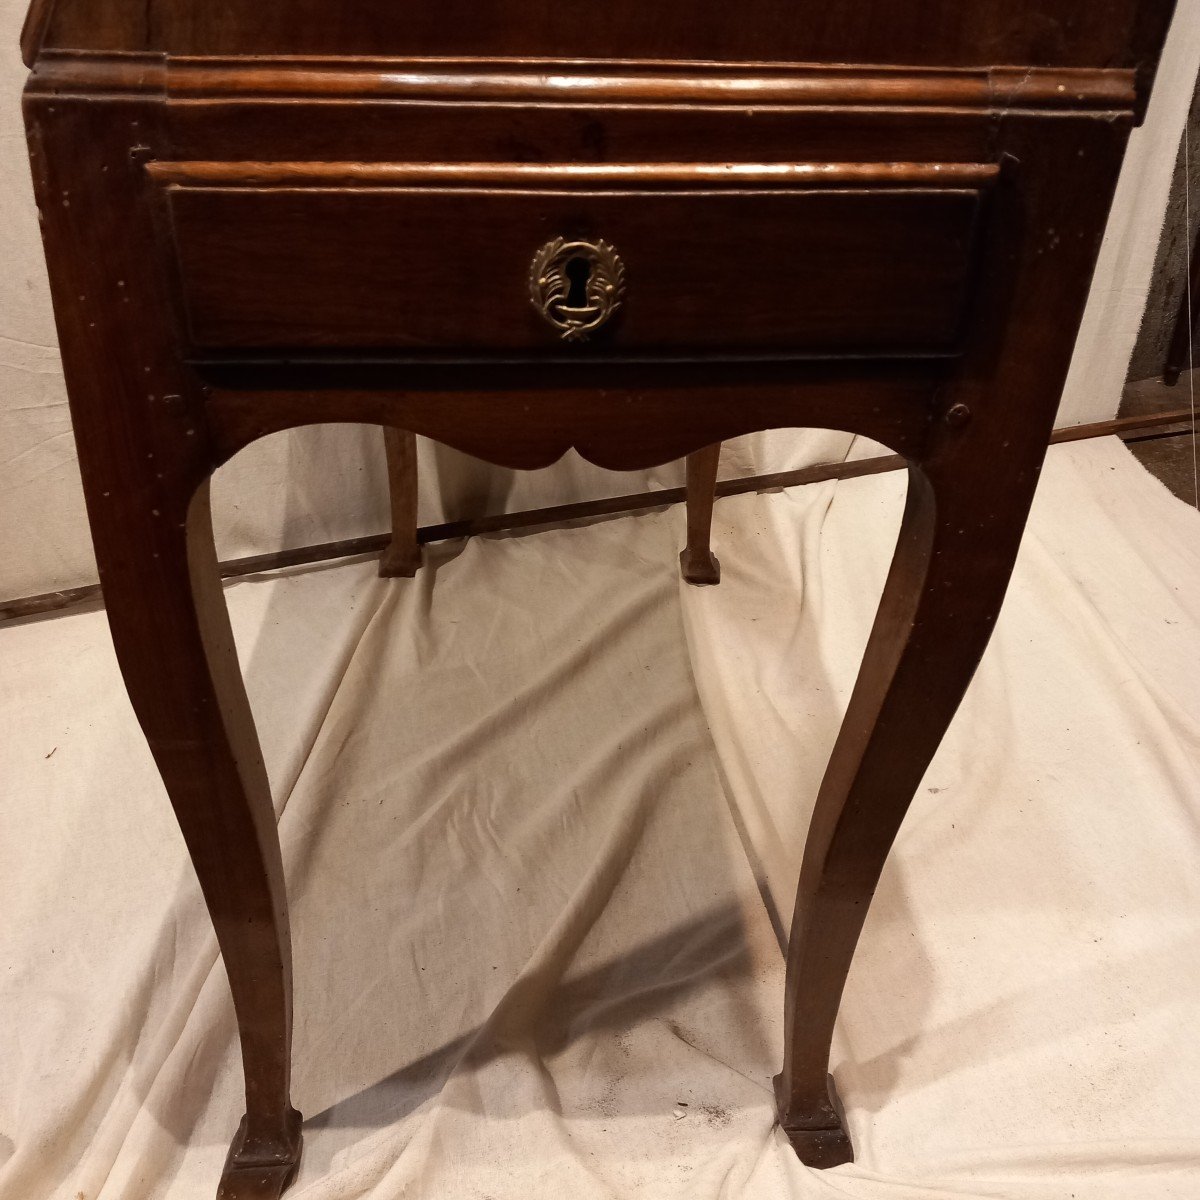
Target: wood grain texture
417, 270
622, 416
573, 84
697, 561
401, 557
145, 458
369, 132
320, 239
568, 176
969, 496
1025, 32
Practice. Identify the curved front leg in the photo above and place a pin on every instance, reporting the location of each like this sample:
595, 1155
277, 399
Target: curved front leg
145, 455
171, 629
957, 545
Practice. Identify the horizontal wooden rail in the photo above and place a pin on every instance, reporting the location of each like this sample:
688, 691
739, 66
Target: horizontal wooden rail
579, 83
633, 175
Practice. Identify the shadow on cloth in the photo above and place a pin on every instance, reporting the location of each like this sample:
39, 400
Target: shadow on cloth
531, 1018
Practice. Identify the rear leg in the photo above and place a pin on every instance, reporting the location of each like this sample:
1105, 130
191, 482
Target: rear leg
402, 557
697, 561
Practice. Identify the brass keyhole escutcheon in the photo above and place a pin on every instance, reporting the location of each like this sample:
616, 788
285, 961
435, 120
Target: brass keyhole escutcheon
576, 286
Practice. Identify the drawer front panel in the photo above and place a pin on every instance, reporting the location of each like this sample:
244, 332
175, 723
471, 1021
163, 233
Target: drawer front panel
446, 271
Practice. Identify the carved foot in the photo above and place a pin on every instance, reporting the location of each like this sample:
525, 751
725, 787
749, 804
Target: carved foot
401, 562
261, 1170
700, 568
828, 1146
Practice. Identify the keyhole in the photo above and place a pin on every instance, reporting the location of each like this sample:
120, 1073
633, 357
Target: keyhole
578, 271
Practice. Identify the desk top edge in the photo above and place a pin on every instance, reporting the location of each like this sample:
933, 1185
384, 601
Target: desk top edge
1021, 33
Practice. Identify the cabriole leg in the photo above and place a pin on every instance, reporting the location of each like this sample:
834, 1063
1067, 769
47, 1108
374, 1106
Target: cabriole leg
145, 455
938, 609
176, 652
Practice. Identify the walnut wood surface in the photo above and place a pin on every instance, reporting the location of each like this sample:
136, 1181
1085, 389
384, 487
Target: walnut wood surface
697, 560
145, 457
1101, 33
192, 200
619, 415
447, 269
402, 556
580, 83
566, 176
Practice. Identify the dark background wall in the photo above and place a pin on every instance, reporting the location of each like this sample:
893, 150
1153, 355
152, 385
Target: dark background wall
1170, 268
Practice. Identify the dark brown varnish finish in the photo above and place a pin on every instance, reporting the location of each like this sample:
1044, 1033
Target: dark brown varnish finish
422, 270
862, 215
1102, 33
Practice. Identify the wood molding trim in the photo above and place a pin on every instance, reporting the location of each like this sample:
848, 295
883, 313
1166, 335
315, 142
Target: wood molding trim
572, 175
574, 83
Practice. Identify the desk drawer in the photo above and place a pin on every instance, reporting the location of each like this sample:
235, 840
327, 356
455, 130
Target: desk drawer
670, 261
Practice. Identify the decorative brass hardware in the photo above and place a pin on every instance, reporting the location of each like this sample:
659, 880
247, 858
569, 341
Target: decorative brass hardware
576, 286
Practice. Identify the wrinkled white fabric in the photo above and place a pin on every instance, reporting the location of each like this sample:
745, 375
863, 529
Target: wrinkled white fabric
541, 811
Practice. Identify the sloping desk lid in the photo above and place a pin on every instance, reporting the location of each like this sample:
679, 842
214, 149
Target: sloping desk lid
952, 33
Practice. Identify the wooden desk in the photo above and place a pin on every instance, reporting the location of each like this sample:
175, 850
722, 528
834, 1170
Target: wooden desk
517, 227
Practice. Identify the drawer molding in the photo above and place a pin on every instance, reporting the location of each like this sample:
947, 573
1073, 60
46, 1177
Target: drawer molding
590, 176
575, 84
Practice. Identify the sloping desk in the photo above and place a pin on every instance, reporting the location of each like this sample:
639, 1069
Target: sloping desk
631, 229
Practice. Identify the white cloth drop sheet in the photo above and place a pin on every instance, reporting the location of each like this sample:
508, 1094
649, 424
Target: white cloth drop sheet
542, 810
